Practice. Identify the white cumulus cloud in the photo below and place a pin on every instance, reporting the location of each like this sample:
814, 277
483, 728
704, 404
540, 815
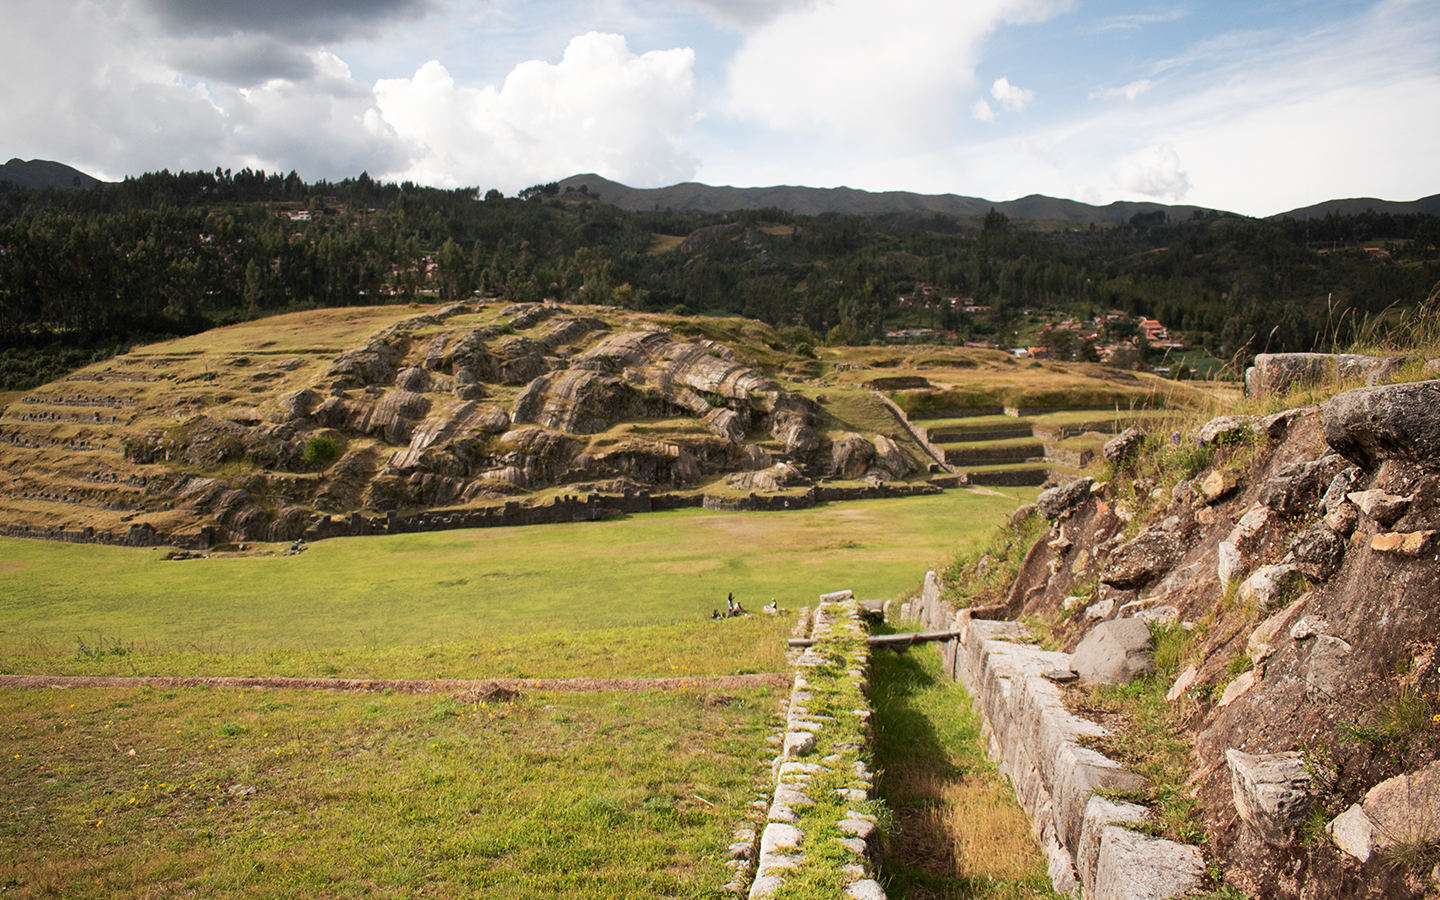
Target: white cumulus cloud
870, 68
601, 109
1158, 175
1011, 97
982, 110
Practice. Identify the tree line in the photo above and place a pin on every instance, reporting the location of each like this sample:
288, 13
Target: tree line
167, 254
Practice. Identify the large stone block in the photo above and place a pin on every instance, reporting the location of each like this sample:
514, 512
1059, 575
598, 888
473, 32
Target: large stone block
1132, 866
1271, 793
1399, 421
1100, 813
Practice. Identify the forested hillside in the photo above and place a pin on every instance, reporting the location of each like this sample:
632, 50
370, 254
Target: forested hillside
83, 270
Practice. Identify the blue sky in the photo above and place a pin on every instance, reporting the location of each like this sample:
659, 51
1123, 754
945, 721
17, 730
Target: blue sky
1254, 107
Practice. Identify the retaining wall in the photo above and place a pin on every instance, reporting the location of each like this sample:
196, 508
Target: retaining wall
1036, 741
822, 783
566, 508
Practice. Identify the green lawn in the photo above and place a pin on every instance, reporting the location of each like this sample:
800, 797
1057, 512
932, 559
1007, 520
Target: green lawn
482, 586
242, 794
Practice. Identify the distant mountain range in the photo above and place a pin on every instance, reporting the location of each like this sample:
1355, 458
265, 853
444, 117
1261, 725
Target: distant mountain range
815, 201
42, 173
1356, 205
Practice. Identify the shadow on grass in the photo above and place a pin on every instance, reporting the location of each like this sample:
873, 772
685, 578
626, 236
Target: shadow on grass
933, 773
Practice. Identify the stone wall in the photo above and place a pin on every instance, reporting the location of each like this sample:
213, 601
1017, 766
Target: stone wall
820, 813
565, 508
1036, 741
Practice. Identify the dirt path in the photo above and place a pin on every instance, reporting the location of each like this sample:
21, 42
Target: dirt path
480, 687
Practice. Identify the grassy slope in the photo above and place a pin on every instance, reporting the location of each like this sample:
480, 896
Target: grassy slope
480, 584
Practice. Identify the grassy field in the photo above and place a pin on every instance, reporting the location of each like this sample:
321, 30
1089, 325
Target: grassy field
475, 592
280, 793
194, 792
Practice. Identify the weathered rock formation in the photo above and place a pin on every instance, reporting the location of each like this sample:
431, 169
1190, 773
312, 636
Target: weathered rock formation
1304, 563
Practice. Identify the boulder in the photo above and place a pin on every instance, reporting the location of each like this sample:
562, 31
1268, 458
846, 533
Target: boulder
1276, 424
1405, 810
1245, 536
1318, 552
1340, 486
753, 458
1293, 489
1353, 832
1223, 429
1123, 445
1216, 485
1398, 421
1412, 543
1138, 563
296, 406
799, 438
1384, 509
725, 424
413, 379
851, 456
775, 478
403, 404
1229, 564
373, 363
1266, 583
892, 459
1058, 501
578, 401
1114, 652
1271, 793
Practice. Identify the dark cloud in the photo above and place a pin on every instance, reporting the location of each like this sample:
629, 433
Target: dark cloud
297, 21
243, 60
751, 13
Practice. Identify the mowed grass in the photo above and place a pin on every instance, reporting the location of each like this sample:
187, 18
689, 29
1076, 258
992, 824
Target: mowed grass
214, 793
482, 593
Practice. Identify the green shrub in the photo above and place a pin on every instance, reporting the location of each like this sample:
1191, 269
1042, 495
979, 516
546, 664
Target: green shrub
320, 449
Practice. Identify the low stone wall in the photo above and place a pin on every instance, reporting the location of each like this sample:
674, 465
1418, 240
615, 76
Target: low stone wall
995, 456
1011, 478
566, 508
1020, 412
1036, 741
820, 812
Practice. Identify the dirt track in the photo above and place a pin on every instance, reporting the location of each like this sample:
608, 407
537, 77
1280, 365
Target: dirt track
479, 687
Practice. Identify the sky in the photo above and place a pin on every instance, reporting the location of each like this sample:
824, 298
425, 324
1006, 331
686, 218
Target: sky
1251, 106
